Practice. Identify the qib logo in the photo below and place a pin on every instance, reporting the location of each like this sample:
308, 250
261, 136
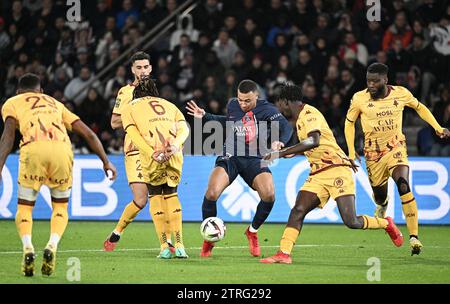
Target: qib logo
74, 12
374, 10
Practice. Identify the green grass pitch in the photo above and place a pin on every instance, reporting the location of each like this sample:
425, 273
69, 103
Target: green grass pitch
323, 254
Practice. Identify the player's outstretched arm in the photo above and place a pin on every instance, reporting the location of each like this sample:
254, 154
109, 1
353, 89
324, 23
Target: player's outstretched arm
94, 143
7, 140
198, 112
426, 115
309, 143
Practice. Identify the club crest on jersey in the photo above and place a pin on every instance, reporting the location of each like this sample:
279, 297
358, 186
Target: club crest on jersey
370, 105
395, 102
338, 182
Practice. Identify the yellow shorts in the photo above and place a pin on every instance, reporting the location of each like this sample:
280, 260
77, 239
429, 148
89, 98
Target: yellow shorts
157, 174
46, 163
380, 170
334, 182
133, 168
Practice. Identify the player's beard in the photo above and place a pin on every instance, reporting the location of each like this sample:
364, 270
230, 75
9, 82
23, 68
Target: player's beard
379, 93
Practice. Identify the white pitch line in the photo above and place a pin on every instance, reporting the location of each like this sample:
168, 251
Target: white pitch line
157, 249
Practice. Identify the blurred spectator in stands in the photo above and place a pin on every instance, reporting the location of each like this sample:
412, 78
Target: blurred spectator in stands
302, 18
212, 90
20, 17
4, 38
245, 36
127, 10
99, 17
324, 30
440, 33
258, 49
303, 68
225, 48
65, 44
281, 47
372, 37
82, 61
256, 71
275, 12
350, 43
280, 27
210, 65
400, 30
231, 83
231, 25
429, 11
240, 66
76, 91
13, 80
59, 80
152, 14
59, 63
347, 87
185, 27
422, 57
399, 62
119, 80
208, 17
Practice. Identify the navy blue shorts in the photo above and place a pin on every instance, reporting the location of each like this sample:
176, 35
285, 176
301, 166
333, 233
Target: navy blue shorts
246, 166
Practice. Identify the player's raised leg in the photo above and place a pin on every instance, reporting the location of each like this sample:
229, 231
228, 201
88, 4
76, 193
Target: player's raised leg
381, 200
347, 210
24, 224
129, 213
305, 202
263, 184
218, 181
409, 206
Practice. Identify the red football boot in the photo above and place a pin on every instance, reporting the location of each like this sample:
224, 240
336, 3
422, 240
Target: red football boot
394, 233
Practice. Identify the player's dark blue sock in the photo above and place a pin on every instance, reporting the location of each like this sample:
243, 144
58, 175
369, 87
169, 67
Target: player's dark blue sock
262, 212
209, 208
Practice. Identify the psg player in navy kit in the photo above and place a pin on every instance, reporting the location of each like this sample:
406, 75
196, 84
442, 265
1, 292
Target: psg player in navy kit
252, 121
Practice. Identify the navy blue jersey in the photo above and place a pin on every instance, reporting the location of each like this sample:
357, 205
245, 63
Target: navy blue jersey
251, 133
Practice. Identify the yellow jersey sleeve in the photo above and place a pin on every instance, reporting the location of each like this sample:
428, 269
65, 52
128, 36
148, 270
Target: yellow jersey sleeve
8, 110
119, 102
127, 119
68, 118
409, 99
353, 111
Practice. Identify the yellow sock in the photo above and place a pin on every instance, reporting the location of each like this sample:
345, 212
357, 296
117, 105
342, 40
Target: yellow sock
374, 222
288, 239
60, 218
159, 218
175, 217
411, 213
167, 229
128, 215
24, 224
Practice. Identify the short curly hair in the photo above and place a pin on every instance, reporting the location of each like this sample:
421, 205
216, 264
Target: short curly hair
290, 93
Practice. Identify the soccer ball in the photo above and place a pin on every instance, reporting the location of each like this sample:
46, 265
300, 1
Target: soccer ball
213, 229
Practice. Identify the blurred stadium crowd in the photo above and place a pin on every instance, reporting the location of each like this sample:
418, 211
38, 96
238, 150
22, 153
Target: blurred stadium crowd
323, 45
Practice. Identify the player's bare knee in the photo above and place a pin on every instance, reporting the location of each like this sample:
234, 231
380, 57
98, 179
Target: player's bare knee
213, 193
140, 200
402, 186
268, 197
